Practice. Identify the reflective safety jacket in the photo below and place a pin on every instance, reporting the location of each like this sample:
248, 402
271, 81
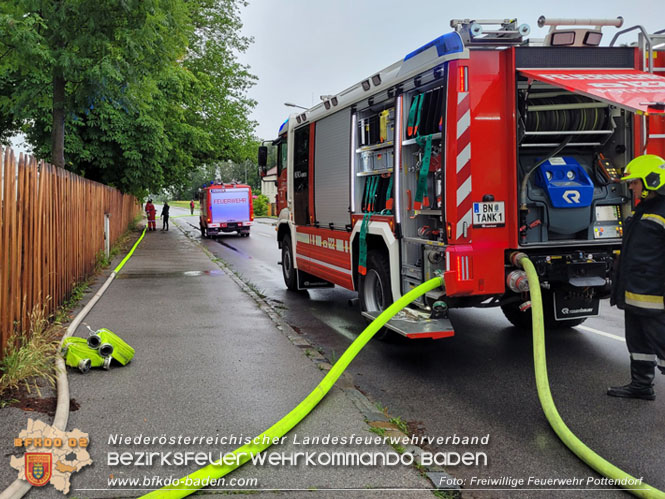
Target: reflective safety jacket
639, 283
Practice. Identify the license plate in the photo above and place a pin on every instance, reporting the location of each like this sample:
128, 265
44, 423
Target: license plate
489, 214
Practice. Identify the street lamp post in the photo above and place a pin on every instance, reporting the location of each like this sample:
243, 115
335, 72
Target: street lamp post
291, 104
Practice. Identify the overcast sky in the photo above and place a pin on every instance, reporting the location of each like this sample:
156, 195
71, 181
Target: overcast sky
306, 48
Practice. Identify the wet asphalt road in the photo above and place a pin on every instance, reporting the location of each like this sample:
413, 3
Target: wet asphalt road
480, 382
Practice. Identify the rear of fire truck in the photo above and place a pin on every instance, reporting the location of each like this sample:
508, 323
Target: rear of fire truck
226, 208
582, 112
551, 127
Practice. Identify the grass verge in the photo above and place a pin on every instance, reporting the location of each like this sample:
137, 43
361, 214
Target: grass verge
28, 358
184, 204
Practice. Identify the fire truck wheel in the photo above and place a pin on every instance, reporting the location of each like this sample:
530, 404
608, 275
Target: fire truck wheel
288, 271
375, 293
522, 320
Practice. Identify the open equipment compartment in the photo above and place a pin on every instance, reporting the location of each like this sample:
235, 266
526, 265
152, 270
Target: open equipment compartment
570, 152
578, 110
422, 186
374, 152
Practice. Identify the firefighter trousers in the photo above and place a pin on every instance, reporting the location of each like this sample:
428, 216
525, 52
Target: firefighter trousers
645, 338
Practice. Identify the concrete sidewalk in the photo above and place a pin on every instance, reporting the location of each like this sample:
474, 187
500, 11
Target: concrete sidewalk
209, 363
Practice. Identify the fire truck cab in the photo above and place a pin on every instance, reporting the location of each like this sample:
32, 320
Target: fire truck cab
472, 147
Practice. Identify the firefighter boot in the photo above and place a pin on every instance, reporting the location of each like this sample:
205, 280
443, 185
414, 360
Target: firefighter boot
641, 383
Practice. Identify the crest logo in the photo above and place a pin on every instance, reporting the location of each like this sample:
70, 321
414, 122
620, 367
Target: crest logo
50, 455
38, 468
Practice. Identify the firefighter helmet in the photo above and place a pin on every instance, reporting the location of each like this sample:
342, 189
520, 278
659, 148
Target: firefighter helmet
650, 169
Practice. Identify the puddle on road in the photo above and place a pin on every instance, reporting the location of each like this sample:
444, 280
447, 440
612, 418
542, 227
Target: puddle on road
233, 248
228, 246
188, 273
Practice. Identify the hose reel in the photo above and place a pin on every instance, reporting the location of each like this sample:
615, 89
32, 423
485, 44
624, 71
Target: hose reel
544, 113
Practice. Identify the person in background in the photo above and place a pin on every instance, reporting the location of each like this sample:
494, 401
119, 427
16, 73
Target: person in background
639, 284
165, 216
150, 212
191, 207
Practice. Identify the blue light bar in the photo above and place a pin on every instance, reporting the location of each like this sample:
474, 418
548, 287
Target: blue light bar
282, 127
445, 44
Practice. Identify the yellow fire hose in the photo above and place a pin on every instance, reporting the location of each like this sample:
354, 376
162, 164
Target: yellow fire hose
279, 429
592, 459
284, 425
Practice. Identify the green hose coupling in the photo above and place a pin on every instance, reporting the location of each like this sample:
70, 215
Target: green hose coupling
439, 310
79, 355
118, 348
95, 342
84, 365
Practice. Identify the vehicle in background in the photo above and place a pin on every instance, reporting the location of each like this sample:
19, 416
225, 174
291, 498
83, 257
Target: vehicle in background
226, 208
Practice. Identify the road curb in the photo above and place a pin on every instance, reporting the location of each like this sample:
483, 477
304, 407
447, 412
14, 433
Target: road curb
266, 221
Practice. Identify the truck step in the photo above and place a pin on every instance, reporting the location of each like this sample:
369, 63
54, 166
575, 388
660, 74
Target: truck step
416, 328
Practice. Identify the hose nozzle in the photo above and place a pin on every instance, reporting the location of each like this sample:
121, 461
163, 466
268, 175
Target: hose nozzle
517, 281
105, 349
516, 258
94, 341
97, 342
84, 365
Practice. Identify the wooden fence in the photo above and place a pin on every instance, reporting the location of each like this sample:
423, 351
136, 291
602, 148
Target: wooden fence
51, 233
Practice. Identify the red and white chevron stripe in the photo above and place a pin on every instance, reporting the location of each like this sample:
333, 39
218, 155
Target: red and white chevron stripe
463, 166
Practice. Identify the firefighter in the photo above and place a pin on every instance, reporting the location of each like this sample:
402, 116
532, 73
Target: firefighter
191, 207
165, 216
639, 284
150, 212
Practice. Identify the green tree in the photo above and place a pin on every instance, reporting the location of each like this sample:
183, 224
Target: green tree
245, 172
132, 93
261, 206
195, 179
19, 42
224, 106
86, 51
225, 171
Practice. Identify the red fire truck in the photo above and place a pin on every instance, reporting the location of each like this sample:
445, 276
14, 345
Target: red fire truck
474, 146
226, 208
